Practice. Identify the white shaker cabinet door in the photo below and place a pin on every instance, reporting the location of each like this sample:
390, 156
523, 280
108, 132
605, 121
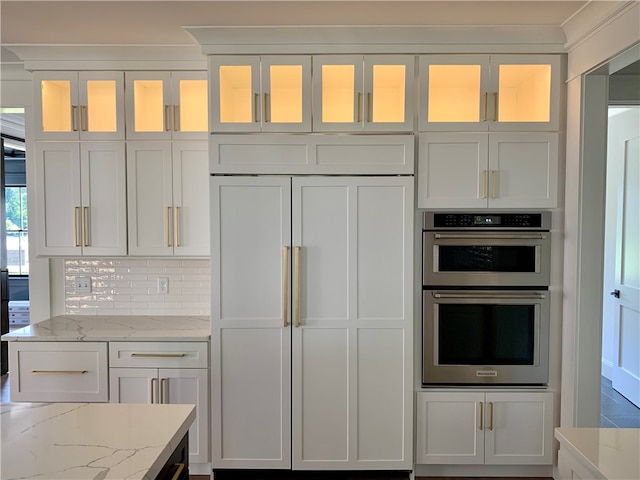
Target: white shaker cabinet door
352, 323
250, 336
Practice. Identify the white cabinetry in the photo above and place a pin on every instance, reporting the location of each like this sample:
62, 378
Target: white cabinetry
58, 372
81, 198
494, 170
167, 191
498, 428
79, 105
260, 94
312, 322
164, 372
167, 105
363, 93
496, 92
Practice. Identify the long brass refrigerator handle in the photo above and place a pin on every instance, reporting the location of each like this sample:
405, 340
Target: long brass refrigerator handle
285, 286
76, 210
481, 427
296, 286
490, 415
85, 223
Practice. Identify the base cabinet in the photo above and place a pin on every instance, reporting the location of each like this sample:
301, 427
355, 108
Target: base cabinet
493, 428
151, 372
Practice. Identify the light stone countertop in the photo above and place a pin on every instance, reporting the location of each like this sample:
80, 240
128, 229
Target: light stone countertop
90, 328
109, 441
610, 453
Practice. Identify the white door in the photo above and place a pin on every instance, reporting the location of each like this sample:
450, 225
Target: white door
250, 336
190, 198
626, 338
149, 198
189, 385
352, 323
133, 385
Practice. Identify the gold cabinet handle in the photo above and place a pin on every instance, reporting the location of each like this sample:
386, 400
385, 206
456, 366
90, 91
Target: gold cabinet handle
158, 355
58, 372
484, 184
495, 106
285, 286
256, 103
166, 118
163, 390
167, 228
74, 118
85, 223
481, 427
359, 107
76, 212
176, 226
153, 389
267, 109
494, 183
176, 475
84, 118
176, 118
296, 286
369, 107
490, 415
485, 115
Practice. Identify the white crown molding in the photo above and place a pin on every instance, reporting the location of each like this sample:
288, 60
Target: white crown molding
109, 57
317, 39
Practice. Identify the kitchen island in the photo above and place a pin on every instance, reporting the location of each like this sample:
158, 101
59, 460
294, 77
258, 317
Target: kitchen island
68, 441
598, 453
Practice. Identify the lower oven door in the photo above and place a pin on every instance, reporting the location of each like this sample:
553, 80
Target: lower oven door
485, 337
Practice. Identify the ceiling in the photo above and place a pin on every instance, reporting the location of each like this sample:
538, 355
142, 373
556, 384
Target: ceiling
147, 22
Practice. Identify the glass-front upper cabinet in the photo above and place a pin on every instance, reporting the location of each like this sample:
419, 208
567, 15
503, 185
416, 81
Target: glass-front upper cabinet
260, 94
363, 93
167, 105
498, 92
79, 105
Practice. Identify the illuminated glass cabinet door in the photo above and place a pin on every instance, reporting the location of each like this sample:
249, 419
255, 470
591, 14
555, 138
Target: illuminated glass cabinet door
260, 94
149, 106
356, 93
189, 105
454, 93
79, 105
525, 92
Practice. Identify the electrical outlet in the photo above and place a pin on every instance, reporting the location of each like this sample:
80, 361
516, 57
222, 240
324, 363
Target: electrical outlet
163, 285
83, 284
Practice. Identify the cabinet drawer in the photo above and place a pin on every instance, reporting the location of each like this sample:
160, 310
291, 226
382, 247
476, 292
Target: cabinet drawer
59, 372
159, 354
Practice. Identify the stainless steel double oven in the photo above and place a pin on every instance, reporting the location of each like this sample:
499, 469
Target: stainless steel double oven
486, 298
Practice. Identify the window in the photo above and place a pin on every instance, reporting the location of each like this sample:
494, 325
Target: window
17, 230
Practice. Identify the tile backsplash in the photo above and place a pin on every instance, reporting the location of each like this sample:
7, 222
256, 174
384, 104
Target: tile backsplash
130, 286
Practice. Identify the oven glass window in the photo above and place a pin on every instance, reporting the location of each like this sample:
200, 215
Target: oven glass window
486, 334
481, 258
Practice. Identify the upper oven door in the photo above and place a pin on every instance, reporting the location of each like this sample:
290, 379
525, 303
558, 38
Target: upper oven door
481, 258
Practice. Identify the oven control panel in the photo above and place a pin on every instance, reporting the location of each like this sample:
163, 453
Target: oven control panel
471, 220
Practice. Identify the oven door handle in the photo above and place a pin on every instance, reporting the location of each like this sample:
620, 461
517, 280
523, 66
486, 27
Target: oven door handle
532, 295
490, 236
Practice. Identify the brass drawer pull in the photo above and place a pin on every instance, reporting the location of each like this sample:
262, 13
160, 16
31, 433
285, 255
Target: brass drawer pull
180, 466
58, 372
159, 355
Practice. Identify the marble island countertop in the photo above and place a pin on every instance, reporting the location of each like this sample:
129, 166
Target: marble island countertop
109, 441
602, 453
89, 328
